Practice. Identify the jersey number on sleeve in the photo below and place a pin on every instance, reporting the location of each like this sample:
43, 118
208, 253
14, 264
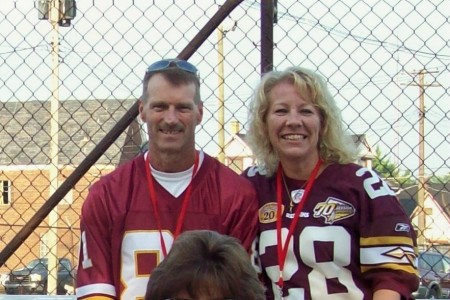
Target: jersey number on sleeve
87, 262
373, 181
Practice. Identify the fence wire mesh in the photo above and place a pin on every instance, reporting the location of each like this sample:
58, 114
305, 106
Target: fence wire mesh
66, 79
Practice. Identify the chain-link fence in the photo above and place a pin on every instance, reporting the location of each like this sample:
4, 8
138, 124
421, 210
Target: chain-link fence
69, 83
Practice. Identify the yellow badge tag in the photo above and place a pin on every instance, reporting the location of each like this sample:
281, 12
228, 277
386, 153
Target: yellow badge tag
268, 213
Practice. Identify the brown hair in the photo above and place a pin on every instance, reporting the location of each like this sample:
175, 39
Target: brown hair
175, 76
204, 262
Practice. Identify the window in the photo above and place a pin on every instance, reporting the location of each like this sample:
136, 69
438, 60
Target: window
435, 262
5, 189
64, 265
446, 264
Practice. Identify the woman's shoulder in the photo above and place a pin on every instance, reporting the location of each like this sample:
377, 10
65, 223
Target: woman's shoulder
348, 172
347, 168
255, 172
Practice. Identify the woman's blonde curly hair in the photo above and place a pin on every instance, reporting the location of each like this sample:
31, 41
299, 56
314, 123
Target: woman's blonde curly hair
335, 146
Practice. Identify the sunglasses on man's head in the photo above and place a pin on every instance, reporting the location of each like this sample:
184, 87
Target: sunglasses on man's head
172, 63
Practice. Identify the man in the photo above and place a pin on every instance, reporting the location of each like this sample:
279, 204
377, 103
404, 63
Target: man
132, 216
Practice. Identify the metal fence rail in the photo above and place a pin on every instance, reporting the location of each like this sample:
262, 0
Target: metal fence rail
70, 77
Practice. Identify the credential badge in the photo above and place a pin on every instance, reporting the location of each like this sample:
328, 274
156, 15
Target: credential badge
268, 213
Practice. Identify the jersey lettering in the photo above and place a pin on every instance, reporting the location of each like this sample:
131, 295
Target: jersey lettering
87, 262
383, 190
252, 171
134, 243
321, 271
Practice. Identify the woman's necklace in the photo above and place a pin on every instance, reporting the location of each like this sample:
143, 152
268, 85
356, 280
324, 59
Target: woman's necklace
297, 196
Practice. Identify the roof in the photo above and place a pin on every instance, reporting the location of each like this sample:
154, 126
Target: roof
237, 146
363, 146
25, 130
439, 192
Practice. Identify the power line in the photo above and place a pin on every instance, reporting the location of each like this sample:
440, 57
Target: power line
15, 50
347, 34
363, 39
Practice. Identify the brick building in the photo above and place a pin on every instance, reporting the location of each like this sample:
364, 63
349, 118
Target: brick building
25, 164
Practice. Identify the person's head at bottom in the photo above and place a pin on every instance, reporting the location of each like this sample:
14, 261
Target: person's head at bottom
205, 265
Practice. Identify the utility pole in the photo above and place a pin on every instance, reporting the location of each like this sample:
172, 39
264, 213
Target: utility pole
221, 105
52, 235
421, 241
59, 13
269, 16
221, 108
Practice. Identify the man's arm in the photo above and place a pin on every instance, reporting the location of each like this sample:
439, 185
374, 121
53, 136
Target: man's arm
94, 271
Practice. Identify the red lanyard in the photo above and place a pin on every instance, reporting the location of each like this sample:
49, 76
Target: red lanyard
282, 251
184, 205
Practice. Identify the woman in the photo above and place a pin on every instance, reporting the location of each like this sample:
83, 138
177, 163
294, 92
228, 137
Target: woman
205, 265
329, 229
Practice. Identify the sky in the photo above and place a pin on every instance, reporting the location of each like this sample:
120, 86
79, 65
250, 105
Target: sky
369, 52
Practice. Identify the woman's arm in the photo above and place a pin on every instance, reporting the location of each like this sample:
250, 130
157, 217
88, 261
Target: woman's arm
386, 295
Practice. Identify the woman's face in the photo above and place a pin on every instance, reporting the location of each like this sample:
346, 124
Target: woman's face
293, 123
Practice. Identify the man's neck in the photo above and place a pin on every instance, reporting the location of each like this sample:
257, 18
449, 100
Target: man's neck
171, 162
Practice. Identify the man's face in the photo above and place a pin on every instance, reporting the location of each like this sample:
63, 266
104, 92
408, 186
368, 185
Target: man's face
171, 115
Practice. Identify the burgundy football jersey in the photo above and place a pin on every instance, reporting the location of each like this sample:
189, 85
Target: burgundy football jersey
120, 241
352, 237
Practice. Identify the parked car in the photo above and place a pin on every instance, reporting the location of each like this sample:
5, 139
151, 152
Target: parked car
434, 272
33, 278
3, 279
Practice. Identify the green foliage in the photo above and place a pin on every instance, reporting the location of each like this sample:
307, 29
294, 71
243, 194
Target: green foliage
443, 179
389, 170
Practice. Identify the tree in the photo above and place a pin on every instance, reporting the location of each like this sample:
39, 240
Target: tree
441, 179
390, 170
